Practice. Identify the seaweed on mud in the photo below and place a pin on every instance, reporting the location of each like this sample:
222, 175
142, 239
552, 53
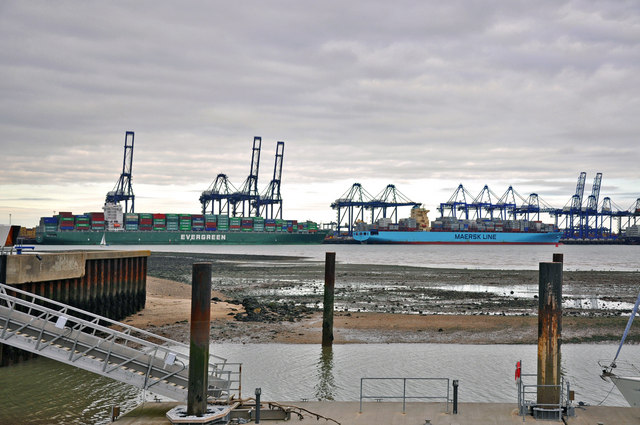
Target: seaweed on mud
384, 288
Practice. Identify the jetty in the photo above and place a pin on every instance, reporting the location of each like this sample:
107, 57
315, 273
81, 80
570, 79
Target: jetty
32, 320
390, 413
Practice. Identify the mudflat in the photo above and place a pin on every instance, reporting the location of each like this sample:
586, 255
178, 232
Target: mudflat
279, 299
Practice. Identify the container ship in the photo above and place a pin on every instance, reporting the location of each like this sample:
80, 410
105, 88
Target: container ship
173, 229
450, 230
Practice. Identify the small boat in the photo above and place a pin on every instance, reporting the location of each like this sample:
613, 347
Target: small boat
625, 375
103, 242
629, 386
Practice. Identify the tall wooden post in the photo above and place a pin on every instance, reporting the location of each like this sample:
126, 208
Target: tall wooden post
549, 332
199, 347
329, 285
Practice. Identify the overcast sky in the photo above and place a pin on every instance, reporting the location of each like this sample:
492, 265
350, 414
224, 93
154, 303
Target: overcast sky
422, 94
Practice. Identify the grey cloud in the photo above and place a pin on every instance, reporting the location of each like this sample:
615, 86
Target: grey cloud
463, 91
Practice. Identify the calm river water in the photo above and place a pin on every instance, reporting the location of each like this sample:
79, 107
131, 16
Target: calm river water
43, 392
510, 257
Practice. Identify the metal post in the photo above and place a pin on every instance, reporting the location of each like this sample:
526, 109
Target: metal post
549, 333
455, 396
519, 384
258, 392
329, 285
404, 395
199, 349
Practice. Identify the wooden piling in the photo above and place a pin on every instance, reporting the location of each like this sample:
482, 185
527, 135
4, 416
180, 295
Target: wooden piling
199, 347
329, 286
549, 333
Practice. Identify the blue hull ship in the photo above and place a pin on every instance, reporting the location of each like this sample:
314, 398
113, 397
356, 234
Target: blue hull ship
462, 238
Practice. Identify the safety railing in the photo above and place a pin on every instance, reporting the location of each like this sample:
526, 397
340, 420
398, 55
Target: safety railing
387, 394
528, 395
117, 346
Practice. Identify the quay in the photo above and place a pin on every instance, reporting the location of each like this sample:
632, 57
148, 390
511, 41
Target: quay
108, 283
390, 413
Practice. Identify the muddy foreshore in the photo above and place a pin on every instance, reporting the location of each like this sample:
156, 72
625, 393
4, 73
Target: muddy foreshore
279, 299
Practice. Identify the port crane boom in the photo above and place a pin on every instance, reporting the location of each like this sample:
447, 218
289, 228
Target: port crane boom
123, 190
271, 195
389, 198
248, 196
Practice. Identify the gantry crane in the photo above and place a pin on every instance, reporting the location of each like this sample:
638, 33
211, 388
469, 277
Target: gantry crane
590, 221
248, 197
506, 204
354, 200
483, 202
533, 206
230, 200
218, 196
123, 190
573, 210
389, 198
271, 196
457, 202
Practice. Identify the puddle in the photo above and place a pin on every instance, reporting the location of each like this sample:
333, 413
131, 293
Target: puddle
531, 291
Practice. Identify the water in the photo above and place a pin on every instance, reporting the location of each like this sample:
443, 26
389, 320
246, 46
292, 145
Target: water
485, 372
43, 391
508, 257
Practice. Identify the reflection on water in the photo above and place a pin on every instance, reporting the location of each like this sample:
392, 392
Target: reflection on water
326, 384
43, 391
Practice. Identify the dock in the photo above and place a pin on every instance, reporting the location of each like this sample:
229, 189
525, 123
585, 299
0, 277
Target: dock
390, 413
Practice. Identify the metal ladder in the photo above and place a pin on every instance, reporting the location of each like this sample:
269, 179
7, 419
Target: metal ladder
106, 347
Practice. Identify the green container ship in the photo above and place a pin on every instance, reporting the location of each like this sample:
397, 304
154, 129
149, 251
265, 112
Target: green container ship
172, 229
130, 237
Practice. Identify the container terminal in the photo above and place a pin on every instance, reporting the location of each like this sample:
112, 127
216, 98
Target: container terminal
245, 216
229, 215
588, 222
43, 321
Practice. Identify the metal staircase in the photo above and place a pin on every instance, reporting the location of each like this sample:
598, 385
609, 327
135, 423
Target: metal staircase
106, 347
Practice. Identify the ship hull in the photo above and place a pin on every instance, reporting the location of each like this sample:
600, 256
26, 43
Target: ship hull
457, 238
629, 387
179, 238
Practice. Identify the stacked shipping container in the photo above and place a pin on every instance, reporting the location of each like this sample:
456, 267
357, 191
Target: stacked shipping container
175, 222
131, 221
83, 222
146, 222
210, 222
197, 222
97, 221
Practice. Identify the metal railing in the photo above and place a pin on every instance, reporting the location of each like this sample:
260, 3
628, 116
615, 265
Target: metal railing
104, 346
528, 394
404, 396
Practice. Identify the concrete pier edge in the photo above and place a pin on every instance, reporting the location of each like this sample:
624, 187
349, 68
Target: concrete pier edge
390, 413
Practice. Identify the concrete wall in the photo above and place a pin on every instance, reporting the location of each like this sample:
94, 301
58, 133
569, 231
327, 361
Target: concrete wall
108, 283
